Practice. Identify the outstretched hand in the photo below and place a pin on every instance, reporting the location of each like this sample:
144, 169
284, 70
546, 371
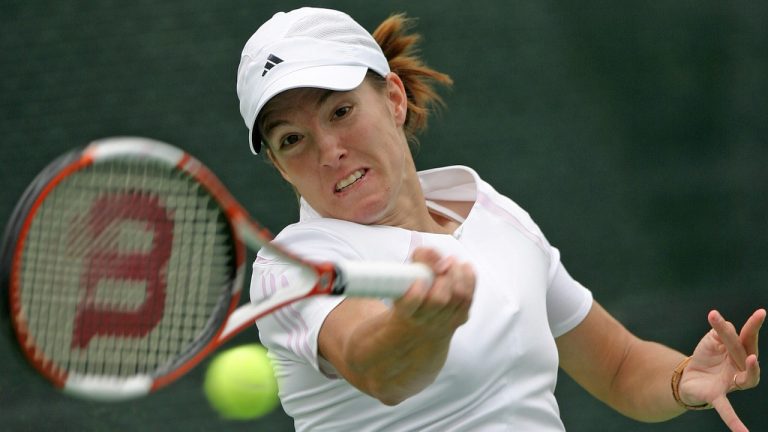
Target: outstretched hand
724, 361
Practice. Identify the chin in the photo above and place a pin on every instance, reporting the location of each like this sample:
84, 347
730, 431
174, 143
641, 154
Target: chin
366, 211
364, 216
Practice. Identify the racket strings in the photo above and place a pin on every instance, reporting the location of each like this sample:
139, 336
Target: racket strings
123, 264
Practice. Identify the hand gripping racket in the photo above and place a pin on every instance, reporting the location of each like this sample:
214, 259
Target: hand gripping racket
124, 263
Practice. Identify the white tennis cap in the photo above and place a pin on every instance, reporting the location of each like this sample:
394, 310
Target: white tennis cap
307, 47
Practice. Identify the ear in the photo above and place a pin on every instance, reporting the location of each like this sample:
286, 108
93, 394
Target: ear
398, 98
277, 165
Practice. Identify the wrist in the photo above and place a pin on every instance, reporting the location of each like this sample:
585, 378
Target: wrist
677, 376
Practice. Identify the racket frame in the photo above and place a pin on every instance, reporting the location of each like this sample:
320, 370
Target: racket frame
244, 231
341, 278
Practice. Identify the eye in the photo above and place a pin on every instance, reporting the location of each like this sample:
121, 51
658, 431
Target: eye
289, 140
342, 111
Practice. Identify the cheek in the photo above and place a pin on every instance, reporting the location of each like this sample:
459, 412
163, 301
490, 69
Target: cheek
378, 133
292, 169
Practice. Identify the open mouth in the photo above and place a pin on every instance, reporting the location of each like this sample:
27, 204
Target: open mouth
350, 179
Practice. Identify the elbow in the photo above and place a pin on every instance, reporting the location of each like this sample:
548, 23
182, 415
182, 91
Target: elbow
380, 383
391, 400
389, 396
391, 393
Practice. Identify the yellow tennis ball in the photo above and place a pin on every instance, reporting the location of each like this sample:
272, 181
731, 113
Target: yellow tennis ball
240, 383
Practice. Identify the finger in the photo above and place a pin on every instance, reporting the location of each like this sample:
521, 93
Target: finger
723, 407
432, 301
440, 294
749, 378
464, 285
426, 256
439, 264
411, 301
726, 332
449, 299
750, 331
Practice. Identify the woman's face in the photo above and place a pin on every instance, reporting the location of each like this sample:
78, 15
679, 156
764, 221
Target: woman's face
345, 152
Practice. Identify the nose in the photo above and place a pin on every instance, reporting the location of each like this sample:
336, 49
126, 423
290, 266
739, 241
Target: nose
331, 150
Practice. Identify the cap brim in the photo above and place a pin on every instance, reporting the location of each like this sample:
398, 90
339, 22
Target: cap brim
335, 77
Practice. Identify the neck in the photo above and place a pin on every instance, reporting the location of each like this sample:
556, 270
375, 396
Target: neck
446, 225
411, 212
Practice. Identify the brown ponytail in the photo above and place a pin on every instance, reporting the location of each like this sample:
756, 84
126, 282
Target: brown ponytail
400, 49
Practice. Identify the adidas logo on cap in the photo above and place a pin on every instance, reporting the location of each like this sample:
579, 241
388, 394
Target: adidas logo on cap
272, 60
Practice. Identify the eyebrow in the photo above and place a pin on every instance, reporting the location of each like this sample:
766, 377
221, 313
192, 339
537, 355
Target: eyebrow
268, 127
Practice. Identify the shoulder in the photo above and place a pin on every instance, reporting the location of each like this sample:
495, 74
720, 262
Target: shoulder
503, 206
493, 204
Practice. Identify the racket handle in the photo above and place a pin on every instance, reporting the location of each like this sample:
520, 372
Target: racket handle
379, 279
106, 389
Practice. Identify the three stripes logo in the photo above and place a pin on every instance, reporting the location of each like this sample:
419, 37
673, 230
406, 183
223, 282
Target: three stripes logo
272, 60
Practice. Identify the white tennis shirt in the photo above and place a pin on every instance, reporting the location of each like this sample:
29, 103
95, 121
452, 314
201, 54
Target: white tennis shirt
502, 365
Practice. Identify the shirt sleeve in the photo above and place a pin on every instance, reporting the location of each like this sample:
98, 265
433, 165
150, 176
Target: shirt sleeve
568, 301
291, 332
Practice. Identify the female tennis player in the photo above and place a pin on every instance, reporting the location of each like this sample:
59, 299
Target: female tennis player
335, 109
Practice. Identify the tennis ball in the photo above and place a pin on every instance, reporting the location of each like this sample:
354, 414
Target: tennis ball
240, 383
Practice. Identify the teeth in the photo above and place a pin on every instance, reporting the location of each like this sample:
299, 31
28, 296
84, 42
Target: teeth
349, 180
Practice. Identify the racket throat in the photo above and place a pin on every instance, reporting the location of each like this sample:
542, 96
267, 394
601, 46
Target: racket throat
331, 279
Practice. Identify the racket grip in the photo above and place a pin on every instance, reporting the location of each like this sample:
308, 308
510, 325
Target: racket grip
379, 279
107, 389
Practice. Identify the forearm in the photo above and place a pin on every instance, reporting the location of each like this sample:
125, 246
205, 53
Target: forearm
641, 387
391, 360
630, 375
392, 353
385, 355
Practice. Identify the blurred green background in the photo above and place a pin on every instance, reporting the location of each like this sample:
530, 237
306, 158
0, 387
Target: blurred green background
635, 133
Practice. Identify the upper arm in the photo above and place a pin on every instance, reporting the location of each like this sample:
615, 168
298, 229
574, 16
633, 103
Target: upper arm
592, 353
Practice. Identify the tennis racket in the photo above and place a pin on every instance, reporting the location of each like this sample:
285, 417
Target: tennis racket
124, 263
